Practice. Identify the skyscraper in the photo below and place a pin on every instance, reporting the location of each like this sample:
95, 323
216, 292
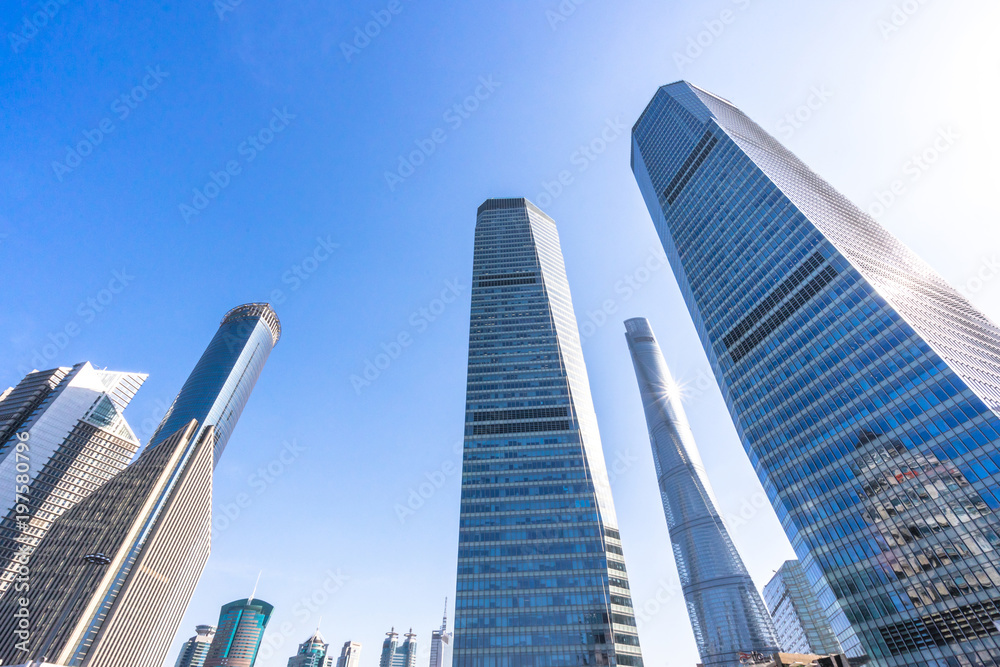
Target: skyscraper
865, 389
440, 640
312, 653
241, 628
195, 650
350, 655
218, 388
112, 579
798, 617
109, 583
541, 576
395, 654
74, 438
727, 615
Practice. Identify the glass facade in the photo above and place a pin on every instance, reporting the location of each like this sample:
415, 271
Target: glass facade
241, 628
726, 612
195, 649
395, 654
864, 388
541, 575
312, 653
799, 620
219, 386
350, 655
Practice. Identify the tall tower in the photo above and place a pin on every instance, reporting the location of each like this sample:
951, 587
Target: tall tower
799, 620
195, 649
727, 615
64, 430
218, 388
109, 583
535, 491
350, 655
395, 654
312, 653
241, 629
113, 577
440, 640
865, 389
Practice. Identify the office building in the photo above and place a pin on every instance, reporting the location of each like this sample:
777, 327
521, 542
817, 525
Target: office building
395, 654
109, 583
241, 629
727, 614
799, 620
440, 639
350, 655
195, 649
312, 653
64, 429
541, 575
864, 388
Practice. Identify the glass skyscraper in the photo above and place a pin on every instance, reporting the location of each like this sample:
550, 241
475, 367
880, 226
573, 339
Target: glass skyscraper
241, 629
73, 437
541, 575
799, 620
440, 639
195, 649
312, 653
727, 615
350, 655
395, 654
865, 389
219, 386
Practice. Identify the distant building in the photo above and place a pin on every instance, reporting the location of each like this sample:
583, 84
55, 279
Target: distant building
241, 628
312, 653
395, 654
799, 620
350, 655
75, 439
195, 650
440, 640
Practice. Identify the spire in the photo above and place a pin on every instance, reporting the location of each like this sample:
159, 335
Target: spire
444, 618
250, 600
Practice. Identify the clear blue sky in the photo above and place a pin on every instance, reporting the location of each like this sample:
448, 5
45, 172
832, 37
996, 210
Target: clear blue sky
336, 124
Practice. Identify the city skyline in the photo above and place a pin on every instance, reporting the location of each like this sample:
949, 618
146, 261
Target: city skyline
346, 494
